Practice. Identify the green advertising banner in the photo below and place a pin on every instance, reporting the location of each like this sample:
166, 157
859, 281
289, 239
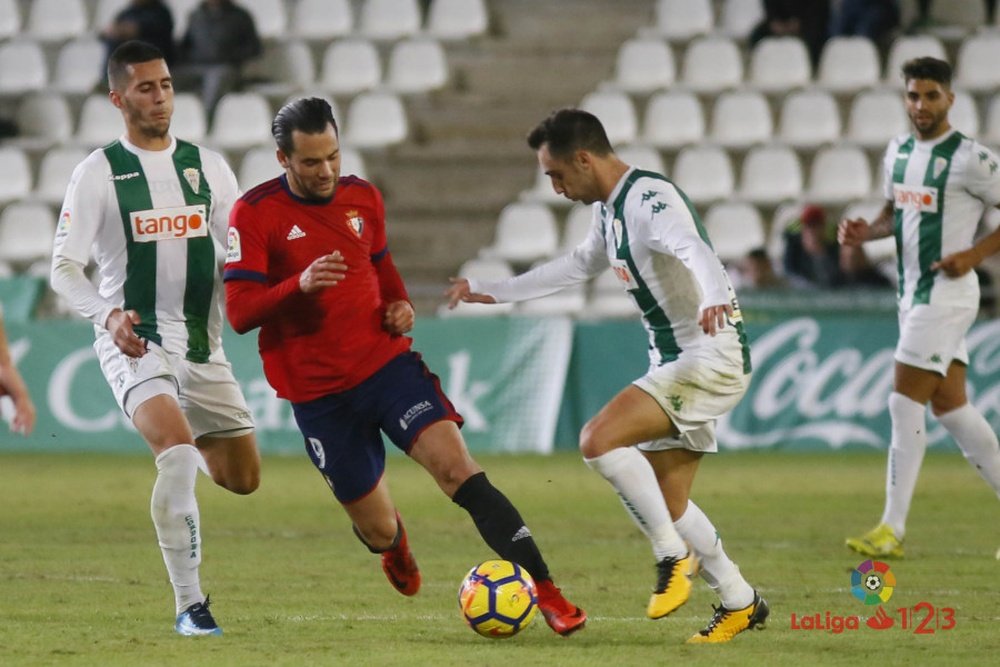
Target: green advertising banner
505, 376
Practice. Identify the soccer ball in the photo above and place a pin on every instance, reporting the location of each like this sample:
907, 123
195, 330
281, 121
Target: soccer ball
498, 599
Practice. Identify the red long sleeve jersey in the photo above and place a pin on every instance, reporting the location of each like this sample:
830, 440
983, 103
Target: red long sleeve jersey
328, 341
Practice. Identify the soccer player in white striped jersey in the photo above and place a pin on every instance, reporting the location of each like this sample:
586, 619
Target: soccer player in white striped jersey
152, 211
649, 439
938, 183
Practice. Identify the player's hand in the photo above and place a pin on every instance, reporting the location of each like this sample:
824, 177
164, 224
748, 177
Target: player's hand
12, 385
853, 232
325, 271
120, 325
713, 318
958, 263
398, 318
459, 291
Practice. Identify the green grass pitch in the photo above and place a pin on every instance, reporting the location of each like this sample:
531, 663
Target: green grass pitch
82, 582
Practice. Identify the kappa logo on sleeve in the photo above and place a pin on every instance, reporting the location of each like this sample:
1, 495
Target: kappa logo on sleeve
165, 224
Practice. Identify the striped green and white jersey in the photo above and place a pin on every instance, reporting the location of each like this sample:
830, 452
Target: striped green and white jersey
652, 238
939, 189
155, 223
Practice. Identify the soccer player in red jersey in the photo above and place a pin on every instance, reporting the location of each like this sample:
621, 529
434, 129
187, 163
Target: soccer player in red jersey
308, 263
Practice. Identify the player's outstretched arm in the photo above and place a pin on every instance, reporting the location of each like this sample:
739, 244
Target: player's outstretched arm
461, 292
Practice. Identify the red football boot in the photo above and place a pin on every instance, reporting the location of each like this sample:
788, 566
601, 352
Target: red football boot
562, 615
399, 565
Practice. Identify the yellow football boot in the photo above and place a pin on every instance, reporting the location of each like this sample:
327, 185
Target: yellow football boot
727, 623
879, 542
673, 585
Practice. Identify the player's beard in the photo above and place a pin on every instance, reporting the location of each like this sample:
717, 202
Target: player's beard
149, 126
932, 127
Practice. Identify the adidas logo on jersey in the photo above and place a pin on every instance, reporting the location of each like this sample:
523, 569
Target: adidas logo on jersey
295, 233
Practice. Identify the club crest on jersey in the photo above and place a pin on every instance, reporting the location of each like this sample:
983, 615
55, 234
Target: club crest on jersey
193, 177
164, 224
356, 223
940, 164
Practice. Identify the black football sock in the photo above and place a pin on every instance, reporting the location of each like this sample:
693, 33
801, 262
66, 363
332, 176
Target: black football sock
500, 524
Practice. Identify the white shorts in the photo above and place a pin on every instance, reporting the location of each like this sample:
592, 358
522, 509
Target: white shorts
931, 337
207, 393
695, 390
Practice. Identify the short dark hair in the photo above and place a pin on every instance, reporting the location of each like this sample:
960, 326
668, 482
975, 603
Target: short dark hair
129, 53
929, 68
569, 130
305, 114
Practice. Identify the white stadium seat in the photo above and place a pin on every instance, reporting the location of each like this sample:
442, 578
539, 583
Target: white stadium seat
481, 269
771, 174
780, 63
100, 122
286, 66
26, 232
542, 191
712, 64
734, 228
642, 157
838, 175
848, 64
10, 19
269, 17
964, 115
389, 19
44, 119
907, 47
643, 65
22, 67
241, 120
578, 222
352, 163
350, 66
457, 19
684, 19
525, 232
673, 119
54, 20
106, 12
54, 173
259, 164
189, 121
15, 174
79, 66
877, 116
977, 68
375, 120
704, 173
809, 118
417, 66
321, 19
616, 112
738, 18
741, 119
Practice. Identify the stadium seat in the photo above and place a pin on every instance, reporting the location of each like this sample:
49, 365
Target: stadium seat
991, 133
389, 19
907, 47
809, 118
712, 64
976, 68
779, 63
181, 11
55, 171
285, 67
735, 228
771, 174
352, 163
876, 116
350, 66
417, 66
100, 122
616, 112
321, 19
964, 114
737, 18
704, 173
643, 65
269, 17
642, 157
259, 164
608, 298
457, 19
10, 19
43, 119
953, 19
240, 121
105, 13
54, 20
848, 64
525, 233
78, 66
542, 191
673, 119
740, 119
26, 232
375, 120
481, 269
683, 19
15, 174
577, 226
568, 301
783, 216
838, 175
22, 67
189, 121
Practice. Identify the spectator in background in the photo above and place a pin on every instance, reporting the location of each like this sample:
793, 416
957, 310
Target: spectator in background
806, 19
13, 386
756, 271
874, 19
221, 36
146, 20
812, 257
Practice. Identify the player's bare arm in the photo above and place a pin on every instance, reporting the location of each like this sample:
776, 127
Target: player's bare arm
459, 291
325, 271
12, 384
959, 263
857, 231
713, 318
398, 318
120, 324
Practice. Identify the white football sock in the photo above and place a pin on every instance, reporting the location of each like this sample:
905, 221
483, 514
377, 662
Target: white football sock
633, 478
976, 439
175, 514
906, 453
718, 571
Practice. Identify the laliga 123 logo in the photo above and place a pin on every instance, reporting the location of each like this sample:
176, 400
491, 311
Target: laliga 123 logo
873, 583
